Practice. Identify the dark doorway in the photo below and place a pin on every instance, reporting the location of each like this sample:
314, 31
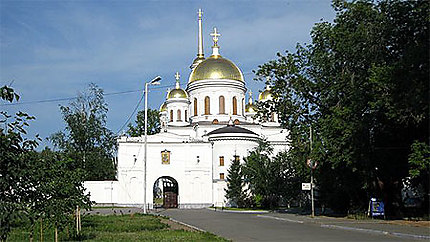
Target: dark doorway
165, 192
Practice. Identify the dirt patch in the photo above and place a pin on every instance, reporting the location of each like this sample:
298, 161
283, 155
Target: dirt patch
176, 226
411, 223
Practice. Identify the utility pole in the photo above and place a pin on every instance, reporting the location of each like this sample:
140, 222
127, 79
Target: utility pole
155, 81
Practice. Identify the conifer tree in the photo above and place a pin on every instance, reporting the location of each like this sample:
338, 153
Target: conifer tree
234, 191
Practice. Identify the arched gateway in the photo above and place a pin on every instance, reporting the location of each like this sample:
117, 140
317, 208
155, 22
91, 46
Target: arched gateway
165, 192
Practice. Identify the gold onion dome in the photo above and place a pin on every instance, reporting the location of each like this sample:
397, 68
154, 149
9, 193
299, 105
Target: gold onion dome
163, 107
250, 107
178, 92
265, 95
216, 67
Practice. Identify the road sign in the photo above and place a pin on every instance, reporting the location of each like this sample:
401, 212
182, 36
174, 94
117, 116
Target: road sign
306, 186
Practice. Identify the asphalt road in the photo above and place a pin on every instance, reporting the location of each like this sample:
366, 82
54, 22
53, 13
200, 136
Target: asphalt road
285, 227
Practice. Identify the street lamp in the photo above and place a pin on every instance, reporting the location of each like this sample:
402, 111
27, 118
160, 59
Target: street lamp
155, 81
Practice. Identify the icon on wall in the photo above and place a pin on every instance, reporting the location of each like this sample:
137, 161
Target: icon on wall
165, 157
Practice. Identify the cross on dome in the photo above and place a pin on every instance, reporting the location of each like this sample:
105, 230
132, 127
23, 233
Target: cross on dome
215, 36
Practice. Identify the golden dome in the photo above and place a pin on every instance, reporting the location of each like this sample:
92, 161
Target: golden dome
250, 108
265, 95
178, 92
163, 107
216, 67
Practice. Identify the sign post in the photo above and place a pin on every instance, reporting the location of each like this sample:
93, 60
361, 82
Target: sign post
376, 208
306, 186
312, 164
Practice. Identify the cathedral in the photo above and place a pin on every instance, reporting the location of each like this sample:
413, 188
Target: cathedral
204, 127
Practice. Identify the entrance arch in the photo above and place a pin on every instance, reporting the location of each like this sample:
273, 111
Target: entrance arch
165, 192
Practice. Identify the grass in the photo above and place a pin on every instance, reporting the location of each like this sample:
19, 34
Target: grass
134, 227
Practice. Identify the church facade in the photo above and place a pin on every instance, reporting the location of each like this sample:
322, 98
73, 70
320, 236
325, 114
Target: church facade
204, 128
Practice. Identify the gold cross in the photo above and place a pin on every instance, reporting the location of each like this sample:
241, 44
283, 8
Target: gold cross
250, 93
200, 12
177, 76
215, 36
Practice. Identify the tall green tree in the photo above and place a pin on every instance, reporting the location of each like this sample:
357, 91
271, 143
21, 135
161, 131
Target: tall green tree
14, 149
362, 85
86, 139
419, 168
234, 191
31, 181
273, 180
138, 129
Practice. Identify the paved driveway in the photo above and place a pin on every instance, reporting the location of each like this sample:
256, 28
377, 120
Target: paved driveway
279, 227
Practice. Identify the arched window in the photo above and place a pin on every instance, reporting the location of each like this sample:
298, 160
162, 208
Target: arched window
207, 106
171, 115
243, 106
234, 106
195, 106
186, 116
221, 105
178, 117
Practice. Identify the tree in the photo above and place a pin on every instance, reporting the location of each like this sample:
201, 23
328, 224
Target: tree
31, 182
234, 192
14, 150
62, 189
86, 139
419, 169
139, 128
273, 180
362, 85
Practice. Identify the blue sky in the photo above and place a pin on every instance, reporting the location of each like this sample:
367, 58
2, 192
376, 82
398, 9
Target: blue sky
54, 49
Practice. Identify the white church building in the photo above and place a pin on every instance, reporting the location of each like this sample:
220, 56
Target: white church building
203, 128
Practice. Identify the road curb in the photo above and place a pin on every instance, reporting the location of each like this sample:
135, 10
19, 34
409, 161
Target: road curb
188, 225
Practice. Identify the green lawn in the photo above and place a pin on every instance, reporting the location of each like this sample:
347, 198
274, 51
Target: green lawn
136, 227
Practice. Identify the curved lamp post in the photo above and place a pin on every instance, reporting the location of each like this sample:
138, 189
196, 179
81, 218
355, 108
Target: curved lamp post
155, 81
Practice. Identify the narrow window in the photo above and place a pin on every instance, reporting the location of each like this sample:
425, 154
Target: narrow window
178, 118
237, 158
221, 105
207, 106
221, 161
171, 115
195, 106
186, 116
243, 106
221, 176
234, 106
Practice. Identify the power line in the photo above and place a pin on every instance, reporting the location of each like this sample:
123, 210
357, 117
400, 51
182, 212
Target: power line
131, 115
72, 98
75, 97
